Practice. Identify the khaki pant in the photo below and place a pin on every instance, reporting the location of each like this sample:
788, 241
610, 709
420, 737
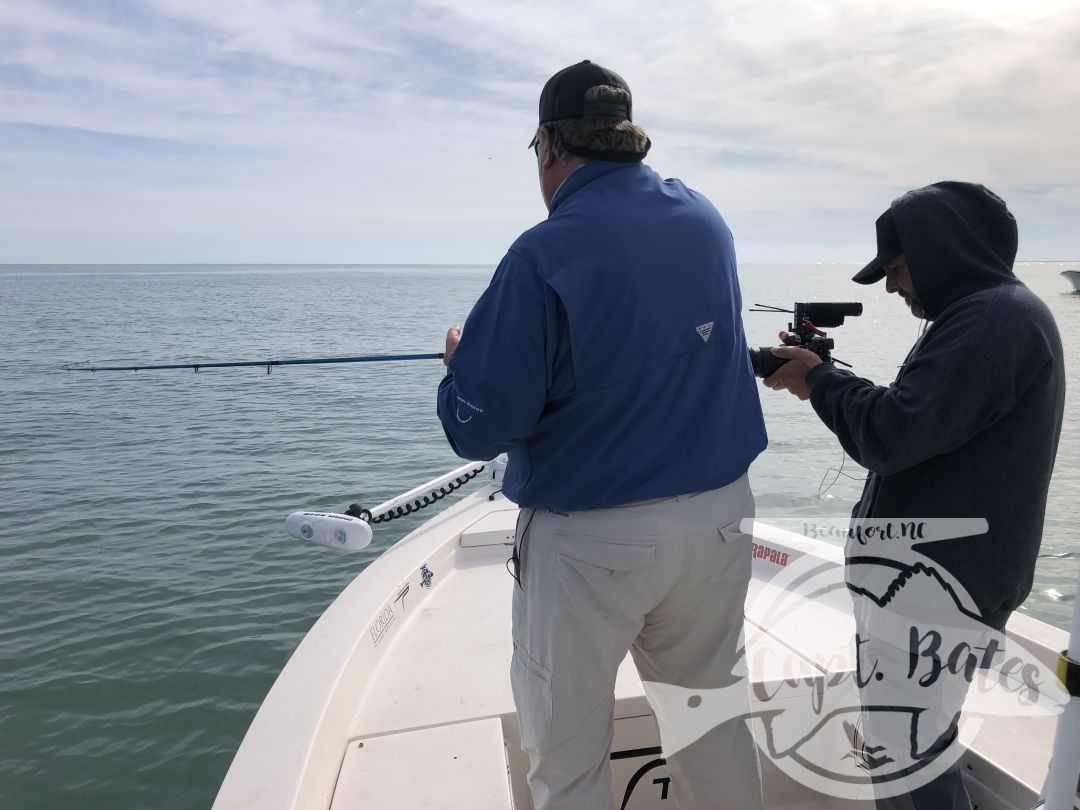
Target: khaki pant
664, 579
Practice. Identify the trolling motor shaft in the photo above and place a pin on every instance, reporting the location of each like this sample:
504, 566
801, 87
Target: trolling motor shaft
804, 332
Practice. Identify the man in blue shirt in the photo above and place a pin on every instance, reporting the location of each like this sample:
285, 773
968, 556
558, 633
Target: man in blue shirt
607, 358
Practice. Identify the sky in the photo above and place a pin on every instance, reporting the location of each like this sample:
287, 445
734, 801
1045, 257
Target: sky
395, 131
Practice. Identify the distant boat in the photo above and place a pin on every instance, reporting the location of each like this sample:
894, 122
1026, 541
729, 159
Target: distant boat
1074, 277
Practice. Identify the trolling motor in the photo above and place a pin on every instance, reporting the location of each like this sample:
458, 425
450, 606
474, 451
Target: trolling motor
804, 332
343, 533
352, 531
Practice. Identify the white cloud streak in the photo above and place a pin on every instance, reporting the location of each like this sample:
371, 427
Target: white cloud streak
407, 120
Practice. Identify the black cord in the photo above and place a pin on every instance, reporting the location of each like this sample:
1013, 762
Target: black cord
839, 471
517, 554
356, 510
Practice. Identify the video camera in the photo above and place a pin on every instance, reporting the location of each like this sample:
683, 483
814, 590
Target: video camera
804, 332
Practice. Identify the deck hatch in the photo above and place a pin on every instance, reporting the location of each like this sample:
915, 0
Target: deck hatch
452, 766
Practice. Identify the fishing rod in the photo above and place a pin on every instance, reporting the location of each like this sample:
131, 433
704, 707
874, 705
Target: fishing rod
268, 364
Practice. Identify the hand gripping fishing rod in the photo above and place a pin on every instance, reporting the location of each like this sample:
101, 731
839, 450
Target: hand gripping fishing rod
268, 364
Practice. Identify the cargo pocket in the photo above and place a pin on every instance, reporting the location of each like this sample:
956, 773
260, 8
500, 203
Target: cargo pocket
531, 685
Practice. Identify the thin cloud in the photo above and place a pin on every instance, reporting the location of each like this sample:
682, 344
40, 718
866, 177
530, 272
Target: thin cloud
410, 118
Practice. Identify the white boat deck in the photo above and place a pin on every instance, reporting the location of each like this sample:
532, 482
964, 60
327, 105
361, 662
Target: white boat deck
424, 687
461, 636
456, 638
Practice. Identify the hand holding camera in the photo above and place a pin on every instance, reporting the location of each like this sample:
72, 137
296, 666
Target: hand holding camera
806, 333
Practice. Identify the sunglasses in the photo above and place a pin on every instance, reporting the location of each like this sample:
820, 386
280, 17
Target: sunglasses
534, 144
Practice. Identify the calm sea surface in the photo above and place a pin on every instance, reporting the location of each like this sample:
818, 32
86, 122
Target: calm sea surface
148, 593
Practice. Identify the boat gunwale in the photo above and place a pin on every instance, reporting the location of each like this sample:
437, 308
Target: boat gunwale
300, 730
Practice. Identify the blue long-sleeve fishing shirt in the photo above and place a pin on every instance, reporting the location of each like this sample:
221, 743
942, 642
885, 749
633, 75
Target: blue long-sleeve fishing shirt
607, 355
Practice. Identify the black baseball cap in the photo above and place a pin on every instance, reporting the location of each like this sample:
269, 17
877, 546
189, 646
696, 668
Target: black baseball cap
563, 97
564, 94
888, 248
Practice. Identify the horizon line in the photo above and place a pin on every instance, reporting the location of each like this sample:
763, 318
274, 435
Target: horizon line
404, 264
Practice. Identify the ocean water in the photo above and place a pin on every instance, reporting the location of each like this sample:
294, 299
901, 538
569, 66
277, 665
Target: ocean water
148, 593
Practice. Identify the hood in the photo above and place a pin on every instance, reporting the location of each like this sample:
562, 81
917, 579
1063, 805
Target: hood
958, 238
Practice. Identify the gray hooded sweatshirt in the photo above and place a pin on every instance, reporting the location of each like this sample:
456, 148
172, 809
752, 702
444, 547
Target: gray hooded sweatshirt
970, 426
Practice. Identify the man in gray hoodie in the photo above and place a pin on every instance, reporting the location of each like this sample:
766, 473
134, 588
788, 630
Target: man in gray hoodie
969, 428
